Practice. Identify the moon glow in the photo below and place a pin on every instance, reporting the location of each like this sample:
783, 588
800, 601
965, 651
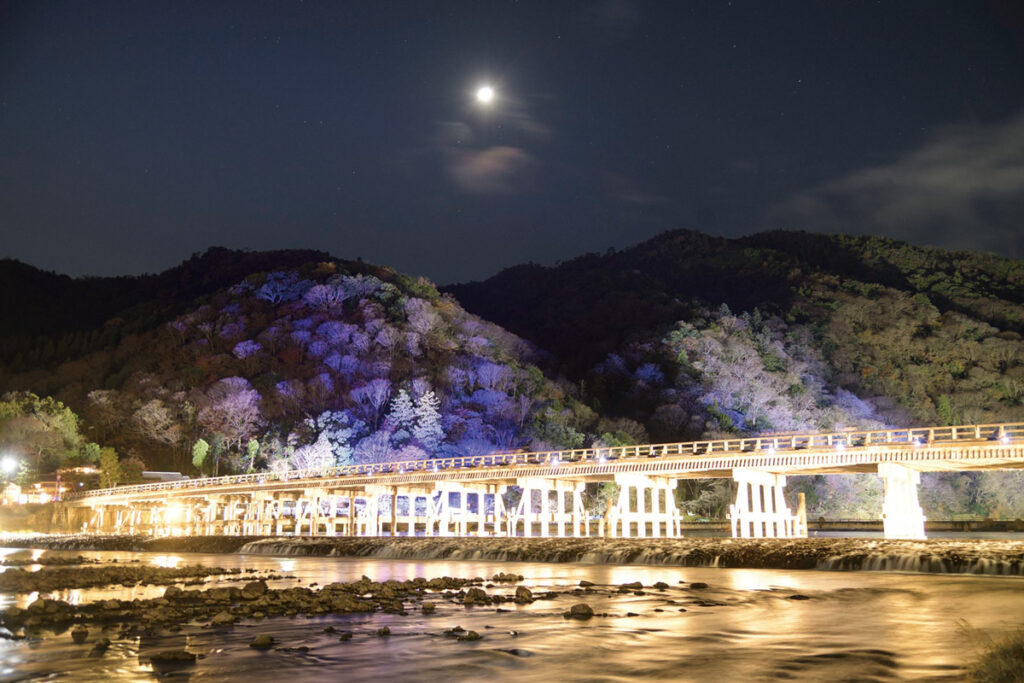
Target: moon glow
485, 94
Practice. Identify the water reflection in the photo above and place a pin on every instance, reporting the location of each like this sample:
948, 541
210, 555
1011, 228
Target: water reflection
743, 626
169, 561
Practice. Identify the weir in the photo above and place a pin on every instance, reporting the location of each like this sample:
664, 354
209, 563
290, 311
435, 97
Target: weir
543, 494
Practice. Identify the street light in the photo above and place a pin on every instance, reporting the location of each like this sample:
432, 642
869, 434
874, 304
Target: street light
8, 464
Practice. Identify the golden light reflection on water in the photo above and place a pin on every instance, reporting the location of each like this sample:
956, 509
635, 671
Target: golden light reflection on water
746, 580
749, 628
168, 561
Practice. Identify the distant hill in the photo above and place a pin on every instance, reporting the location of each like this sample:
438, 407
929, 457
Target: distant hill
49, 318
582, 309
909, 323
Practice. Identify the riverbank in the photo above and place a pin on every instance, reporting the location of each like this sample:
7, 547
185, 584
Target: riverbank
968, 556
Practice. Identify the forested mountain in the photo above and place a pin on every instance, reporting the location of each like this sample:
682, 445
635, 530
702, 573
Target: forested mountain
690, 335
240, 361
329, 362
936, 333
48, 318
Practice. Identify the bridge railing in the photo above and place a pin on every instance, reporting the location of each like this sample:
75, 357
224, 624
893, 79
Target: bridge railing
769, 444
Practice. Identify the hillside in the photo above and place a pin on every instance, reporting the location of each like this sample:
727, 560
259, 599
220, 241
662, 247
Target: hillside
240, 361
688, 335
937, 333
49, 318
325, 363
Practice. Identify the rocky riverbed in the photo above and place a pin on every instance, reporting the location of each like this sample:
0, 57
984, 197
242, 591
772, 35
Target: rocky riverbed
223, 607
18, 580
978, 556
407, 619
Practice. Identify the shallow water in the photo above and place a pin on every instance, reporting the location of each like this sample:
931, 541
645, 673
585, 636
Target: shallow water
856, 625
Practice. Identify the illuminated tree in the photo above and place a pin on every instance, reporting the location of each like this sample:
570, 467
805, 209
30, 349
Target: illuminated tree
110, 468
231, 409
427, 428
200, 450
373, 396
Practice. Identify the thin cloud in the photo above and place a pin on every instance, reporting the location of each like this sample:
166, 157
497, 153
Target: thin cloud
962, 190
494, 170
497, 169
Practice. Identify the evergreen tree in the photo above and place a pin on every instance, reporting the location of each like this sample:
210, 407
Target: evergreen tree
110, 468
402, 417
199, 452
427, 429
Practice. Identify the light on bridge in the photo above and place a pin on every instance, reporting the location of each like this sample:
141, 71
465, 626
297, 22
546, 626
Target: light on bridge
175, 514
1004, 439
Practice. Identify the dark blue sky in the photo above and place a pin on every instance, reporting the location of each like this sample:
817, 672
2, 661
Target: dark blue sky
135, 133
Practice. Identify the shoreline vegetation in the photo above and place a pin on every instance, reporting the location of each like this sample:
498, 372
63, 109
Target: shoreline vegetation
1002, 661
963, 556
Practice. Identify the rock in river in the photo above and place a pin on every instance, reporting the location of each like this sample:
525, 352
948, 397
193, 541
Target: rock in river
262, 642
580, 610
223, 619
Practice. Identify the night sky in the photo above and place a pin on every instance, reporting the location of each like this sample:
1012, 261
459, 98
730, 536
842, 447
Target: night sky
133, 134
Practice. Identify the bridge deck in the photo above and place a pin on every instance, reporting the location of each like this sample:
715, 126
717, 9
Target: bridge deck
965, 447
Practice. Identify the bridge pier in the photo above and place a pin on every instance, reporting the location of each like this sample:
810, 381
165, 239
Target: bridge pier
760, 510
444, 519
663, 516
902, 516
549, 518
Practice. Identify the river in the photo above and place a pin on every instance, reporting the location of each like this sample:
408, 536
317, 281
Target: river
745, 626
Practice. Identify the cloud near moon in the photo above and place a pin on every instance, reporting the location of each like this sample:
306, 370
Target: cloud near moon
494, 170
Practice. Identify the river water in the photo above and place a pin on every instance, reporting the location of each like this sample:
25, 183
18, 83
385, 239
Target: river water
878, 626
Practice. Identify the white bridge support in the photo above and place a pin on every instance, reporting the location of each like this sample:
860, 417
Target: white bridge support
760, 510
645, 504
902, 516
545, 518
446, 519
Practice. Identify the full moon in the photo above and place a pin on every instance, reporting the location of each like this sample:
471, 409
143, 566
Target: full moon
485, 94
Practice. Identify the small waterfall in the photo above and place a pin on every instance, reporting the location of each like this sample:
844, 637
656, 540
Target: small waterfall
940, 556
923, 563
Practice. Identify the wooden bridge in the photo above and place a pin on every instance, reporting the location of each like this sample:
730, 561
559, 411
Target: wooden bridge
475, 495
